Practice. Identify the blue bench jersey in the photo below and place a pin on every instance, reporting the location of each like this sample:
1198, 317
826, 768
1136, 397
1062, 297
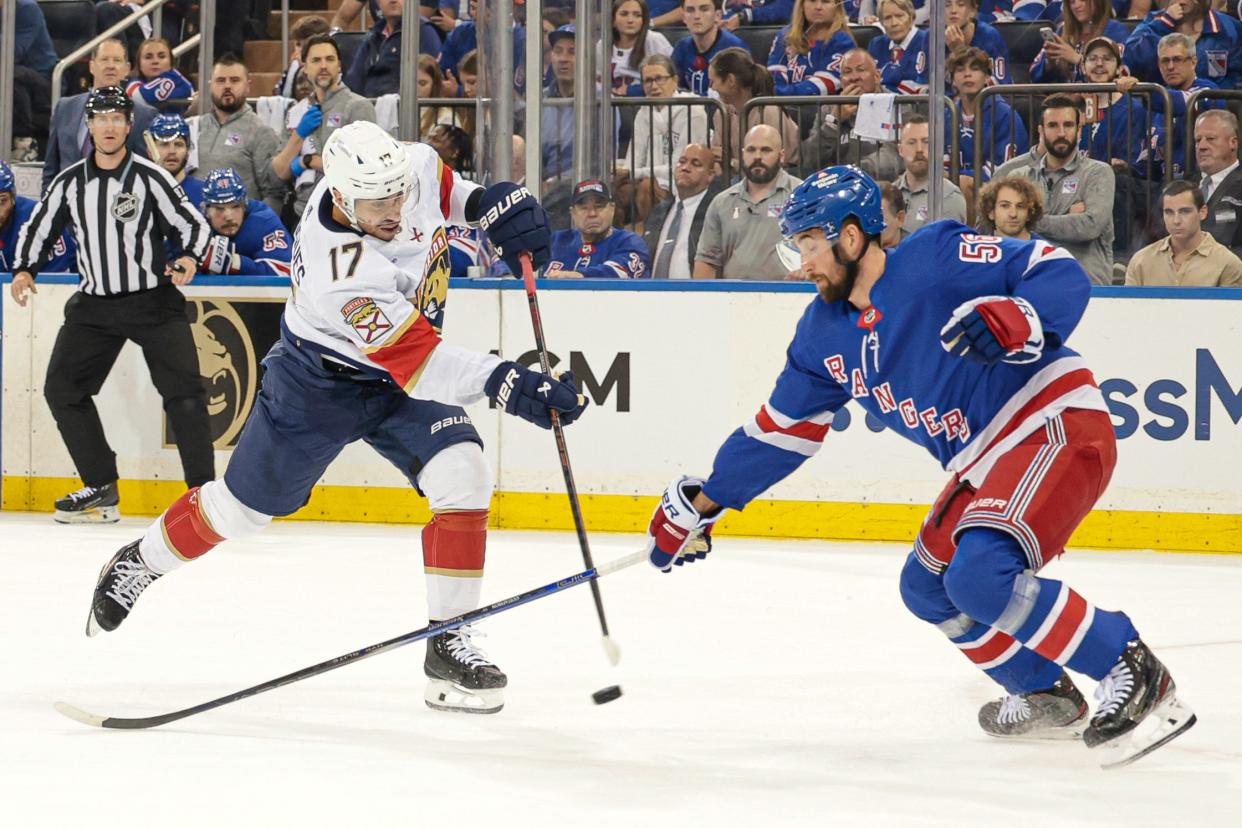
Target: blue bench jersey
263, 242
64, 252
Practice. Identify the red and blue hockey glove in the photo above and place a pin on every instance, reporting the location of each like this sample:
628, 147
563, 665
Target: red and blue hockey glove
515, 222
992, 329
534, 396
678, 533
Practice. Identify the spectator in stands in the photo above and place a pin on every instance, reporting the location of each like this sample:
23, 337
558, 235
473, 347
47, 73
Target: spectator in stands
1216, 40
806, 53
660, 135
914, 147
247, 238
694, 52
963, 29
1188, 256
673, 228
234, 136
594, 249
68, 141
995, 123
893, 206
376, 69
901, 52
453, 145
556, 121
834, 141
632, 41
1078, 191
1220, 179
110, 12
463, 38
742, 227
431, 85
34, 57
758, 13
348, 12
1177, 69
169, 141
158, 82
468, 72
736, 78
1010, 207
1062, 60
1117, 131
15, 211
300, 32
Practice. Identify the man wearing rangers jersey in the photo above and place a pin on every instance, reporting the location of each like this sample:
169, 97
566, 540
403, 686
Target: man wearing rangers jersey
360, 358
594, 249
956, 342
246, 236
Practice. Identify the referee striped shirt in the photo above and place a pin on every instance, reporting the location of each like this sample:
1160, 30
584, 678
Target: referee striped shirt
120, 219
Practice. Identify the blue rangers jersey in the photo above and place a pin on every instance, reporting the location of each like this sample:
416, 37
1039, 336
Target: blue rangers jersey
903, 66
998, 126
620, 255
815, 73
1219, 48
692, 64
164, 87
888, 358
1044, 70
262, 242
1119, 131
64, 252
989, 40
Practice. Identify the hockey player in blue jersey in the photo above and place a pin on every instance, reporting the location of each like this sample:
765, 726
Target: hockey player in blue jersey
956, 342
15, 210
246, 236
594, 249
168, 144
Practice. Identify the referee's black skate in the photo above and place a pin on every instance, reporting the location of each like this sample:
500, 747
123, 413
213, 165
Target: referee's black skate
89, 504
120, 583
1139, 710
460, 677
1060, 712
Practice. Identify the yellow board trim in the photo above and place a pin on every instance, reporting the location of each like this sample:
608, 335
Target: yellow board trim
897, 522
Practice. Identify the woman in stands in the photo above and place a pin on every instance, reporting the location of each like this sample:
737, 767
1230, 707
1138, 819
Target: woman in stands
901, 52
632, 41
1061, 59
736, 78
157, 82
806, 54
431, 85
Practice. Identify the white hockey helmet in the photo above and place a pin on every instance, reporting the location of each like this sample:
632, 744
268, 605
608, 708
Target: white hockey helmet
361, 160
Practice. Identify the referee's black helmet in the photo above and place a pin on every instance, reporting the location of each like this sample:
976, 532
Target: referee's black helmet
109, 99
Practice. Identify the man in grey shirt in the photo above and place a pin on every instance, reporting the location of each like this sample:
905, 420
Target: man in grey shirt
1078, 191
914, 148
742, 226
232, 135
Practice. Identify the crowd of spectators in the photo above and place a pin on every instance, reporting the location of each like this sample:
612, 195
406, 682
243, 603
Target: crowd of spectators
701, 174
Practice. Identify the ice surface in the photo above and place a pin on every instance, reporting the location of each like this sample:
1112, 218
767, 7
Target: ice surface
777, 683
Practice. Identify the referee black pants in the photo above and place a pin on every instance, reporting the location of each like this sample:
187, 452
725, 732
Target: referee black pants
95, 329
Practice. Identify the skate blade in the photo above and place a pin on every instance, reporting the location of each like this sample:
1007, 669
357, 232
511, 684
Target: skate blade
1066, 733
447, 696
102, 514
1168, 720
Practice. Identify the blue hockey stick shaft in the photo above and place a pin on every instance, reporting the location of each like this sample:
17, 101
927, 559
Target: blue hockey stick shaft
357, 655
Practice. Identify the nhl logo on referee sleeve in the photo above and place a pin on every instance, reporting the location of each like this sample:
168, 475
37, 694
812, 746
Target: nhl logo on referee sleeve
125, 207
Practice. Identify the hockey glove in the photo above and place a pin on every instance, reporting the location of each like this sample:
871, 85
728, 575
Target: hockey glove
534, 396
678, 534
310, 122
222, 256
515, 223
994, 328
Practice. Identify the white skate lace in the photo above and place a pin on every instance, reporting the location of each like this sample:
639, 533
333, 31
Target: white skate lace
131, 580
1013, 709
1113, 691
84, 493
463, 649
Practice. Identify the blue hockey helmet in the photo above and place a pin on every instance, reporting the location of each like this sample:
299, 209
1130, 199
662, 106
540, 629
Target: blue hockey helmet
828, 198
8, 184
224, 186
169, 127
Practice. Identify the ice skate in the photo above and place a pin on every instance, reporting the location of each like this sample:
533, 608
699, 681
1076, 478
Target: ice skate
1060, 712
120, 583
460, 677
89, 504
1139, 710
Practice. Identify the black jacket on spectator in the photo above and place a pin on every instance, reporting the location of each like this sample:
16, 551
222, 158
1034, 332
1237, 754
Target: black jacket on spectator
376, 69
659, 213
1224, 219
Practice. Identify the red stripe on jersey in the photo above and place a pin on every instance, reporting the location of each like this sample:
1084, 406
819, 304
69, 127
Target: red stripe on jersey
456, 541
446, 188
990, 649
805, 430
1064, 627
405, 355
186, 528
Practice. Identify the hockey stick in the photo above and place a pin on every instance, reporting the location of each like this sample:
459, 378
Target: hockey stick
591, 575
528, 277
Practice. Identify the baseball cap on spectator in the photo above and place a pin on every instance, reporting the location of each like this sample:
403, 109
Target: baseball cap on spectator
590, 187
568, 30
1108, 43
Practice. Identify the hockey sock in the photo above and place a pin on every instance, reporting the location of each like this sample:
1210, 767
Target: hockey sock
454, 544
181, 534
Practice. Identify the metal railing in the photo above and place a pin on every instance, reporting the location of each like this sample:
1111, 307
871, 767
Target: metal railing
1192, 113
8, 50
685, 127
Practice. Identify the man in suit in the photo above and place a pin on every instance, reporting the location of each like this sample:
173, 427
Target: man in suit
1220, 178
68, 141
673, 227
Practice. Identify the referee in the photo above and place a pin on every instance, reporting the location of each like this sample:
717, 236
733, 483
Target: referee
122, 210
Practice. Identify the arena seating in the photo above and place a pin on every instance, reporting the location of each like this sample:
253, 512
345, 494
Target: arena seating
71, 23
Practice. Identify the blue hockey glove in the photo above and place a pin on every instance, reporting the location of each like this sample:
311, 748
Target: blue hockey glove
515, 222
534, 396
994, 328
310, 122
678, 534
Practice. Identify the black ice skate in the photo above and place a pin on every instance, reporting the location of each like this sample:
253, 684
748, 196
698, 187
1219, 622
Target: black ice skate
1139, 710
89, 504
462, 678
1060, 712
120, 583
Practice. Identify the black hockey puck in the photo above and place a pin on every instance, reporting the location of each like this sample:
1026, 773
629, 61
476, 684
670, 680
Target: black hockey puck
606, 695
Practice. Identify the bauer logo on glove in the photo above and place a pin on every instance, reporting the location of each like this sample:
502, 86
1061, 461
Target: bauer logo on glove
678, 533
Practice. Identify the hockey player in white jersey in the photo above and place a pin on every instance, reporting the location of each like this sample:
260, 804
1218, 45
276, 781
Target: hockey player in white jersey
360, 357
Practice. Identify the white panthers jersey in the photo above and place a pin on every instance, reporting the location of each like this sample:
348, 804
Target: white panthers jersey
380, 304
